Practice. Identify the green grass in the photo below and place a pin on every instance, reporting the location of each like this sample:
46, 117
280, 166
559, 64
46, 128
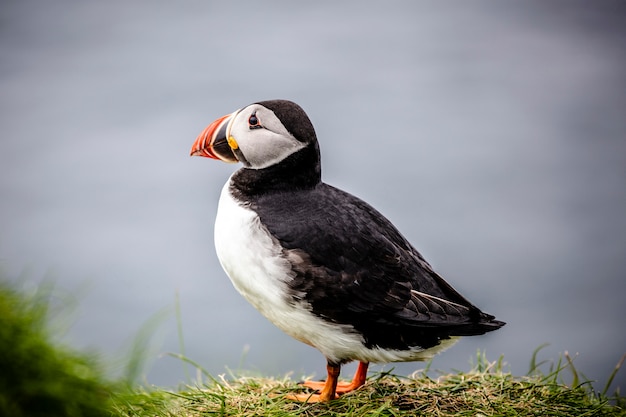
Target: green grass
486, 390
37, 377
40, 377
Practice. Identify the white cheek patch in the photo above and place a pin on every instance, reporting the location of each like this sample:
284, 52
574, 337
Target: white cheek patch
263, 147
270, 149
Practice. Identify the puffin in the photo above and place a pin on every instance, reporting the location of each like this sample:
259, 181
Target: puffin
319, 263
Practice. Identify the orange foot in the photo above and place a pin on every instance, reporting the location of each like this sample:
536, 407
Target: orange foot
310, 398
342, 387
331, 389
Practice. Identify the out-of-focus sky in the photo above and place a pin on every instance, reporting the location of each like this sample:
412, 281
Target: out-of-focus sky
492, 134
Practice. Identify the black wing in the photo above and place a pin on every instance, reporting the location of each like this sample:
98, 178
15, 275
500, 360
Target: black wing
354, 267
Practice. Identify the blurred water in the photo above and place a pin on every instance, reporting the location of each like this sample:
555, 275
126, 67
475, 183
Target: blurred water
492, 134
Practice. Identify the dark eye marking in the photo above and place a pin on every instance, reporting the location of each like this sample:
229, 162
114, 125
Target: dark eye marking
253, 122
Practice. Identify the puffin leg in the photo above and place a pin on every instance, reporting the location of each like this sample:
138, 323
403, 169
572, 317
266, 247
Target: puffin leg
328, 390
357, 381
342, 387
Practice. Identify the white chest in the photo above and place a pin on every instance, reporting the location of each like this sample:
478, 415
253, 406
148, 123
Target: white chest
251, 258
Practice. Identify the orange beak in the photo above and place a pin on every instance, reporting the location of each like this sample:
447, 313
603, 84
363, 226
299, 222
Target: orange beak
213, 141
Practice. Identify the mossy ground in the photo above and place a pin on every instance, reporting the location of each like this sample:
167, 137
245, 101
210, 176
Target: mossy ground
38, 377
485, 392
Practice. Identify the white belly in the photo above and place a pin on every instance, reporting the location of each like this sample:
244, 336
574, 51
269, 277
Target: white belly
254, 262
250, 257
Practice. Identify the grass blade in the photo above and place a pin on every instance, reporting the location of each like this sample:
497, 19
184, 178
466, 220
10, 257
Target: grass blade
612, 376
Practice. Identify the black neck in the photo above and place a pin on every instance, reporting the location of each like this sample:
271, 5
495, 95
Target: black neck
298, 171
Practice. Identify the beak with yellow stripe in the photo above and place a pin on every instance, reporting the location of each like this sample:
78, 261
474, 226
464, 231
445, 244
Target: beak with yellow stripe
216, 142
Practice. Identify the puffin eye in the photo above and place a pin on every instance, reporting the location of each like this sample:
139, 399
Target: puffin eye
253, 122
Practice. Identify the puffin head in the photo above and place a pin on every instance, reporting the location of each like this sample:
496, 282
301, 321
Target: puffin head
260, 135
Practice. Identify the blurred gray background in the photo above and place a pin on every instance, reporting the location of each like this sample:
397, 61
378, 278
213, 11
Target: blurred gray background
493, 134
